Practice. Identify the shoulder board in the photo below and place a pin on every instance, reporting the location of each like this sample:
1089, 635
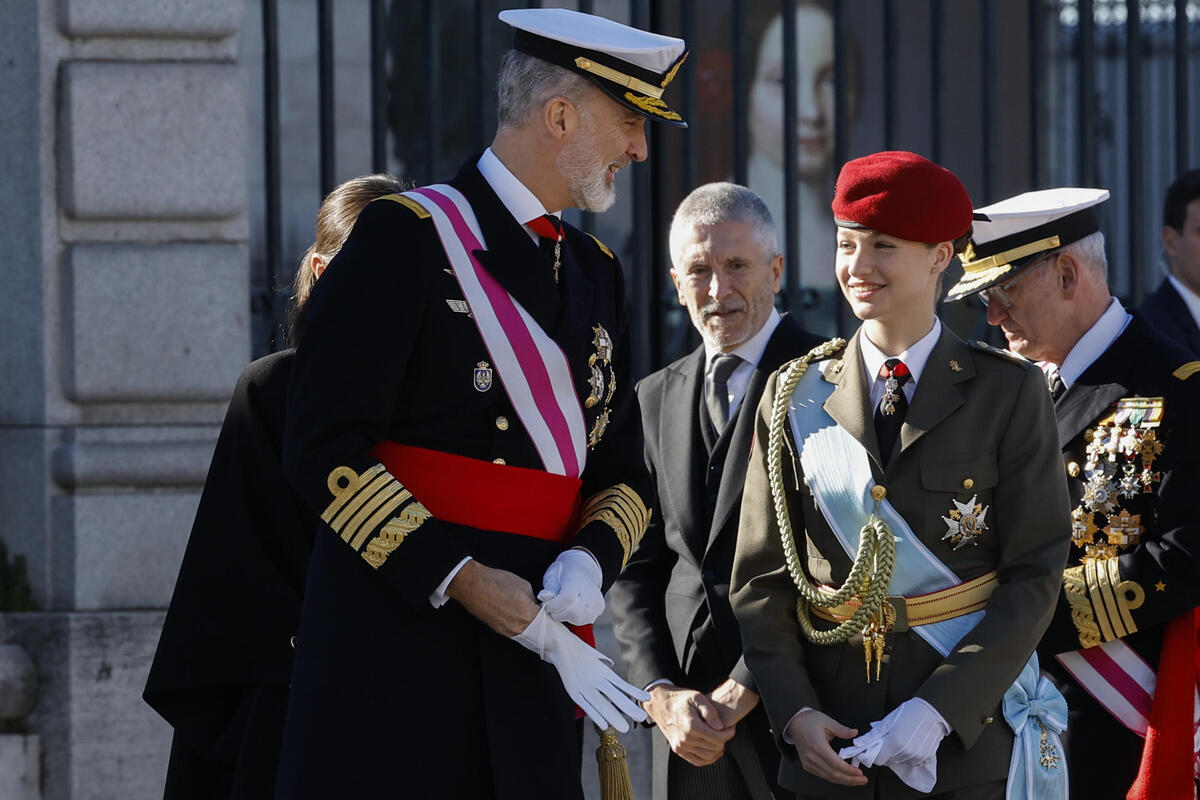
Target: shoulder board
996, 351
1144, 412
603, 247
1187, 370
411, 205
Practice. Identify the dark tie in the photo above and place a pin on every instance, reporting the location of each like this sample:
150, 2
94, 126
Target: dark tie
892, 406
1055, 382
549, 227
716, 396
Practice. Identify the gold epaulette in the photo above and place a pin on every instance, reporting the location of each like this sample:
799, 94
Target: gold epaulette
408, 203
603, 247
1101, 603
1187, 370
620, 508
996, 351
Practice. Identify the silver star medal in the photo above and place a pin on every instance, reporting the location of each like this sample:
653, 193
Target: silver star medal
965, 523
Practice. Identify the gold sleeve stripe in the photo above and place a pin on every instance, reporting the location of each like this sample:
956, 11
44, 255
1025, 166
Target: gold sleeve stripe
621, 509
1187, 370
342, 494
393, 534
369, 508
1075, 588
359, 500
1119, 595
408, 203
1104, 604
378, 517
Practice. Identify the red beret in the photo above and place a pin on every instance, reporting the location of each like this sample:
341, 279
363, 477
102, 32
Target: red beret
903, 195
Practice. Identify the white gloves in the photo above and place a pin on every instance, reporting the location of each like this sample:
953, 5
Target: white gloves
906, 741
571, 588
585, 673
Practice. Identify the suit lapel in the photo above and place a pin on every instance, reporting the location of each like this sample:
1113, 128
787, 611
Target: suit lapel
937, 396
511, 257
849, 405
684, 452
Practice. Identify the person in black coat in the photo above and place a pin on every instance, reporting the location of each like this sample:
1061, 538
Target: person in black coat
221, 672
1125, 404
442, 345
1174, 307
671, 611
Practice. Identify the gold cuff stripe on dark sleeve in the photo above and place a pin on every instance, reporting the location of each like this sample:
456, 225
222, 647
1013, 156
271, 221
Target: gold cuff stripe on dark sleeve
1075, 588
393, 534
1105, 607
342, 495
369, 508
360, 498
386, 510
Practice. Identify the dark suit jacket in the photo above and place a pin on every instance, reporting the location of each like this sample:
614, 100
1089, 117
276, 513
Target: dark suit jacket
1164, 562
671, 612
389, 694
1166, 312
976, 414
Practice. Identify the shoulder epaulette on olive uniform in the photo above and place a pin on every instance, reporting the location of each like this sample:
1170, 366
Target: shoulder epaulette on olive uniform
603, 247
996, 351
411, 205
1187, 370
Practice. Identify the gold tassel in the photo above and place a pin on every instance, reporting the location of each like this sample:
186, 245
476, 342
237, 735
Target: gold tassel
615, 783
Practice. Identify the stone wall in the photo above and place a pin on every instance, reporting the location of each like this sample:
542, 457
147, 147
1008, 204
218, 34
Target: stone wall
125, 308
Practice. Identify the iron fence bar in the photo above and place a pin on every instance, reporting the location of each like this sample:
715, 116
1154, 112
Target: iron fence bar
1134, 165
271, 161
986, 99
791, 235
1087, 90
687, 29
741, 105
935, 78
479, 80
1035, 88
325, 94
433, 87
841, 123
643, 268
378, 87
1182, 104
889, 73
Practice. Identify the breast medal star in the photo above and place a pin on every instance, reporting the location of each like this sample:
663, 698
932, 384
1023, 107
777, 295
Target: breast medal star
966, 523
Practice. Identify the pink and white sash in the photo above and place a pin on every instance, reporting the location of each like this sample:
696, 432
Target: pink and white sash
533, 369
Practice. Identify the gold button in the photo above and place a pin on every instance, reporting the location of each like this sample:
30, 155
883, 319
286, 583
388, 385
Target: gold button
502, 423
878, 493
968, 483
988, 720
1073, 469
499, 461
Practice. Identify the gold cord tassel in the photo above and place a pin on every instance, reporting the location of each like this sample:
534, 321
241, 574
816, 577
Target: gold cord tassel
615, 783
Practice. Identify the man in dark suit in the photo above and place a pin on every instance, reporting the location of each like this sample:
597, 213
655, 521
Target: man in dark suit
1122, 641
670, 606
1174, 308
461, 416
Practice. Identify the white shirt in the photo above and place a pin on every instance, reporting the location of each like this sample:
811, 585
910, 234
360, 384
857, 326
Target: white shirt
1091, 345
751, 352
523, 205
915, 358
1190, 298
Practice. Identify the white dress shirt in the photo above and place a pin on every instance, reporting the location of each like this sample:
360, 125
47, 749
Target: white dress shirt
915, 358
751, 352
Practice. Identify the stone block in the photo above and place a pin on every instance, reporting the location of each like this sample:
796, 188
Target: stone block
152, 140
18, 683
25, 488
155, 322
20, 768
152, 18
98, 739
119, 549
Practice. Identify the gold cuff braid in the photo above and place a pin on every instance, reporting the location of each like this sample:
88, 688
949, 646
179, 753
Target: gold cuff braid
361, 503
1075, 588
620, 508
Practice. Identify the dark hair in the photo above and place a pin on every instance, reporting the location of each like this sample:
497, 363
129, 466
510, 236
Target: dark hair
1183, 191
335, 219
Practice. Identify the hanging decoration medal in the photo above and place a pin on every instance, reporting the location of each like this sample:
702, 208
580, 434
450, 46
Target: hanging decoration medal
891, 389
603, 386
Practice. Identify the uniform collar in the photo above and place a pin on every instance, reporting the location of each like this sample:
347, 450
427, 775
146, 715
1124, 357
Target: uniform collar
514, 195
1091, 345
915, 357
751, 350
1190, 298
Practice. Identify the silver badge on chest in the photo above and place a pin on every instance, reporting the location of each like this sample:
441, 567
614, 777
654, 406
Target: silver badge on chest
483, 376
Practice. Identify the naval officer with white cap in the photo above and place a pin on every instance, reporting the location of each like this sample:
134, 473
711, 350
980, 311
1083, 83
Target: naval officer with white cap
461, 415
1122, 643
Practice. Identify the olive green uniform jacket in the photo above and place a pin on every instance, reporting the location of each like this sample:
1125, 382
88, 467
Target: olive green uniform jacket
980, 425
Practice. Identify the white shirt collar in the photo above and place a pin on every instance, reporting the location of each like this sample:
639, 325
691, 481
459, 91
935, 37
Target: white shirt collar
514, 195
1190, 298
915, 357
751, 350
1091, 345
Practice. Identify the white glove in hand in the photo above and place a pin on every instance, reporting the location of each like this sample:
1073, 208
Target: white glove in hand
906, 741
571, 588
585, 673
